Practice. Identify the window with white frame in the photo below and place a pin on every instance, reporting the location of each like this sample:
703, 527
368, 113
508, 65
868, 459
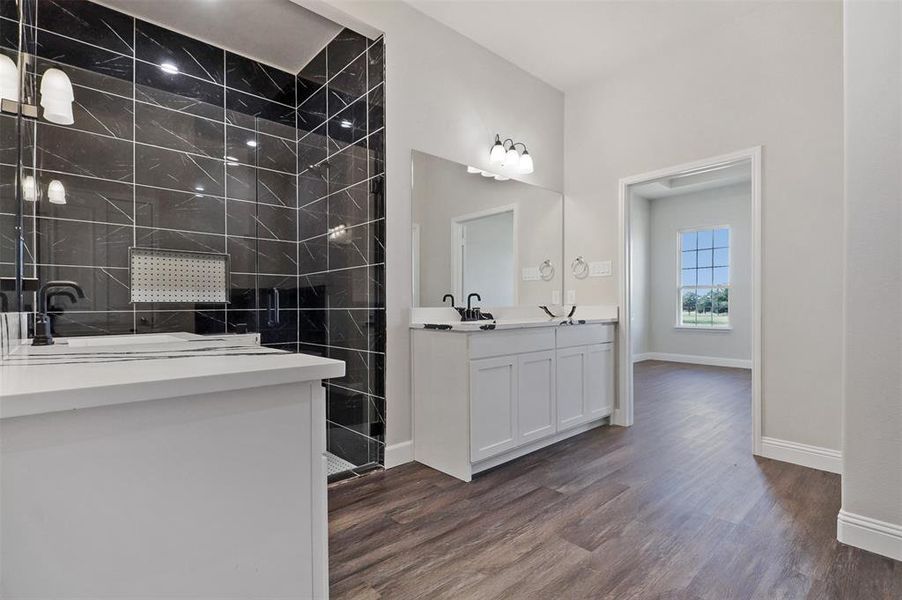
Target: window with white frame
704, 288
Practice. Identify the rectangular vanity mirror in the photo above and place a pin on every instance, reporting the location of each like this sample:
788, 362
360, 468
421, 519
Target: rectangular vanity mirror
472, 233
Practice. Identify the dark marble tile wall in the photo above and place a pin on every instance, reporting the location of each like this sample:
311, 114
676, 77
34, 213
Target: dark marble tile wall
283, 172
341, 232
204, 158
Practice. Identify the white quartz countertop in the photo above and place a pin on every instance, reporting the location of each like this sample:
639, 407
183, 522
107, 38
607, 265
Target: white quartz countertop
446, 319
122, 369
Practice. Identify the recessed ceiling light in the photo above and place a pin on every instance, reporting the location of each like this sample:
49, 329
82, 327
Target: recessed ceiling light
168, 67
252, 143
345, 124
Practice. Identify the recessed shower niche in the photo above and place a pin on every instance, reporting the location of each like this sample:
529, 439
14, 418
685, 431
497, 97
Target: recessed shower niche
190, 138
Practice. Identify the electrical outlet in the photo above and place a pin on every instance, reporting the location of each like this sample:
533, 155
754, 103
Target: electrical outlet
555, 297
571, 296
600, 268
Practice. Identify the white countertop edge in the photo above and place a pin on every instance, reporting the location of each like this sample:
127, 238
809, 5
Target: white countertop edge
474, 326
143, 390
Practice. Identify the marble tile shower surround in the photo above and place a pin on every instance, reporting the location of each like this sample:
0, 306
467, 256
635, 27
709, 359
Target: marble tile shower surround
283, 172
341, 232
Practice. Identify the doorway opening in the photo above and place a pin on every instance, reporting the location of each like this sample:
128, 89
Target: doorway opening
691, 277
484, 256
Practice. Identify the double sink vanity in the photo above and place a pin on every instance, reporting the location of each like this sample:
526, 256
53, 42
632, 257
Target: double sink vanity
482, 397
494, 383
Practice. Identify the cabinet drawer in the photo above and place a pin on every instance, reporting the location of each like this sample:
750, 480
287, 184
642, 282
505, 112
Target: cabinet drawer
584, 335
498, 343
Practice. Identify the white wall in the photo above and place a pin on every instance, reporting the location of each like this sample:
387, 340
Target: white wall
447, 96
640, 293
872, 433
730, 205
773, 77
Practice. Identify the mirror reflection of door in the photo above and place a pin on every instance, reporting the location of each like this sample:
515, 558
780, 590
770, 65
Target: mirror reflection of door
485, 248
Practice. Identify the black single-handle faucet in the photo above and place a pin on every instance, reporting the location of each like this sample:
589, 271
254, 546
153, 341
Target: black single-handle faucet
473, 314
43, 334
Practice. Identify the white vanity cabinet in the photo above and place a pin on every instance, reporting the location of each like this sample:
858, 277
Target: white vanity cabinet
482, 398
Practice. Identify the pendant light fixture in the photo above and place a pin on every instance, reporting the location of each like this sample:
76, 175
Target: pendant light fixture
507, 155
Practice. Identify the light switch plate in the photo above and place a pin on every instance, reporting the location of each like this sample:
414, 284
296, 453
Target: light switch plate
556, 297
531, 274
571, 296
600, 268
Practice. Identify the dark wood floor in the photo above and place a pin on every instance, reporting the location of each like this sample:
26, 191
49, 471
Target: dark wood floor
673, 507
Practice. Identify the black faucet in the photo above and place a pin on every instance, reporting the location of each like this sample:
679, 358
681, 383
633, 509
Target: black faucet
473, 314
446, 297
43, 334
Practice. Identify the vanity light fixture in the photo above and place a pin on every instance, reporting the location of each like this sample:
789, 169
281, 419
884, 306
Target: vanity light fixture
486, 174
168, 67
57, 97
56, 94
473, 170
501, 178
29, 189
56, 192
9, 79
496, 155
507, 155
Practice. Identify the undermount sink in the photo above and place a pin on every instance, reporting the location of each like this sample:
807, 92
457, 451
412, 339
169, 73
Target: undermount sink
122, 340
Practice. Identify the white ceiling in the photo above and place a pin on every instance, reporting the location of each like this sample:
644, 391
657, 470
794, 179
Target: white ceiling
568, 43
276, 32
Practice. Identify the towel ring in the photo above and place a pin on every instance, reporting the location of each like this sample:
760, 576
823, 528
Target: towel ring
579, 267
546, 270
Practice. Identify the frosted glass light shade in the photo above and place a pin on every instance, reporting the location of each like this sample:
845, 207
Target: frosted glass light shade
59, 113
472, 169
9, 79
525, 167
56, 192
57, 97
497, 154
487, 174
512, 158
29, 189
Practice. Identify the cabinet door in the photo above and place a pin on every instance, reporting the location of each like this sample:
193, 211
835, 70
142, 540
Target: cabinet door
493, 406
535, 396
571, 386
599, 380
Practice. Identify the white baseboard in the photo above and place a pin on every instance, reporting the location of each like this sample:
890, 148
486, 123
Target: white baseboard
398, 454
869, 534
711, 361
815, 457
